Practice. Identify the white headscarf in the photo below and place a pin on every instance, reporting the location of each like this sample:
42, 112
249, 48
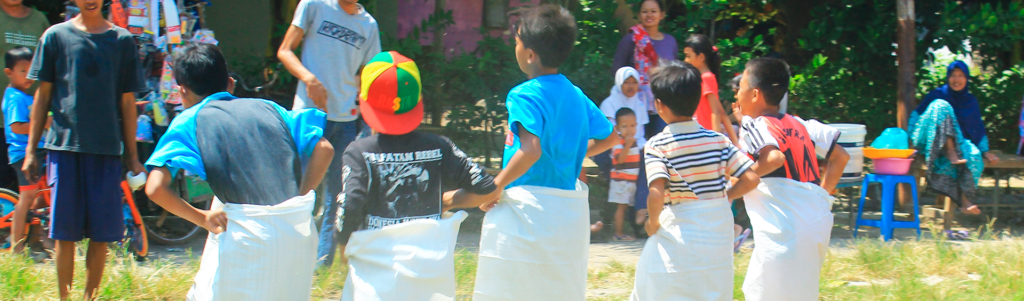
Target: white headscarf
617, 100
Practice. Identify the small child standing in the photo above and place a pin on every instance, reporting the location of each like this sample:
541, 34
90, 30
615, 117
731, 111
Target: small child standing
791, 210
17, 106
394, 227
687, 256
625, 94
625, 168
537, 236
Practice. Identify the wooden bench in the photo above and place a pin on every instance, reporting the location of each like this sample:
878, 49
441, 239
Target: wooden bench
1002, 169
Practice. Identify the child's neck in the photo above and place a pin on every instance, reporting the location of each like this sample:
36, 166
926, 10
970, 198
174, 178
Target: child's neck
703, 68
677, 119
770, 111
542, 71
19, 89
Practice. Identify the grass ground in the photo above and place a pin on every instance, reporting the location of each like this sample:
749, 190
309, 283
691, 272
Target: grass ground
866, 270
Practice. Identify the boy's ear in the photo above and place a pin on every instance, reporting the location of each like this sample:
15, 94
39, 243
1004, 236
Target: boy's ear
231, 85
9, 72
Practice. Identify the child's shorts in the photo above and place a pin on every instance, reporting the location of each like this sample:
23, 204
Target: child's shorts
622, 192
23, 182
86, 194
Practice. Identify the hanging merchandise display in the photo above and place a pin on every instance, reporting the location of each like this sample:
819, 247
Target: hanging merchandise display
172, 22
138, 17
117, 15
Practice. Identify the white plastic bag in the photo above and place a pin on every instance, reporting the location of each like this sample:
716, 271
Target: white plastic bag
414, 260
266, 253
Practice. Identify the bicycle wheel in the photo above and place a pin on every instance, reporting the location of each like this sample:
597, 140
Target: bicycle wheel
7, 200
164, 228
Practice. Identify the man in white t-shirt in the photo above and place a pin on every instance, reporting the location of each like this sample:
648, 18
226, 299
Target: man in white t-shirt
338, 38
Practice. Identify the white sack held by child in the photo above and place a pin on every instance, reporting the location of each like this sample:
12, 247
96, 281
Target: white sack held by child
265, 253
414, 260
690, 257
792, 224
534, 245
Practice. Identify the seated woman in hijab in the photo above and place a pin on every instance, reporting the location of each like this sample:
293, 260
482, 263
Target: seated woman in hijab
948, 129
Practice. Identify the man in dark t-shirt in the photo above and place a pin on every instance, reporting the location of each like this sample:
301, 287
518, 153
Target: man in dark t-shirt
88, 72
401, 175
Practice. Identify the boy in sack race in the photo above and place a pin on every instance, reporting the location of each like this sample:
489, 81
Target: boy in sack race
396, 232
262, 241
790, 210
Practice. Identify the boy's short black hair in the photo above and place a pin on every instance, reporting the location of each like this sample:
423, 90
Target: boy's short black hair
623, 112
771, 76
550, 31
17, 54
677, 85
201, 68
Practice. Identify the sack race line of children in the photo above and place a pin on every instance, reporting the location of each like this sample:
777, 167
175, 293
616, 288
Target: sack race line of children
394, 222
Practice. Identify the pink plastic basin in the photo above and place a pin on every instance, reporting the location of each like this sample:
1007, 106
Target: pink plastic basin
892, 166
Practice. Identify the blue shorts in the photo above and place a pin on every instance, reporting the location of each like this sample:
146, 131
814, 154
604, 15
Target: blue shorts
86, 195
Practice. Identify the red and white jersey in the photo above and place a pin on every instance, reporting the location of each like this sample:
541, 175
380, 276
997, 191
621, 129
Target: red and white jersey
794, 137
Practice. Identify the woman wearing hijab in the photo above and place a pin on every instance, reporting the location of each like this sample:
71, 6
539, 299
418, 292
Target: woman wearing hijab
947, 127
641, 48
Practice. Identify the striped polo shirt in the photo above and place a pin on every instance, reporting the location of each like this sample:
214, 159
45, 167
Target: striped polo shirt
695, 161
629, 169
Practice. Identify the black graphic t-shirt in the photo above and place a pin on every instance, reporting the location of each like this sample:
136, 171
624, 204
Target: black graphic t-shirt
394, 179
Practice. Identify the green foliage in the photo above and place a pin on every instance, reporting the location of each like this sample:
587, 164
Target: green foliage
735, 55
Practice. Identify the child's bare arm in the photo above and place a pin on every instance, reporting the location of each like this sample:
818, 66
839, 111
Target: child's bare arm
769, 159
323, 154
624, 154
655, 203
20, 128
599, 146
836, 162
528, 154
158, 190
38, 114
746, 182
457, 199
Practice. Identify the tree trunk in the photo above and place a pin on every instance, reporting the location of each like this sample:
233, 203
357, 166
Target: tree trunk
436, 111
626, 16
906, 82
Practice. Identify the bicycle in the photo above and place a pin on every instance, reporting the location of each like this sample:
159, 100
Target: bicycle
134, 240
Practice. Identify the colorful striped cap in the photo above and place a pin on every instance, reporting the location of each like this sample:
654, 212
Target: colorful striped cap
390, 98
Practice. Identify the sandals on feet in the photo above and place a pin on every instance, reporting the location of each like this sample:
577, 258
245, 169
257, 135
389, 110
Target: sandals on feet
623, 238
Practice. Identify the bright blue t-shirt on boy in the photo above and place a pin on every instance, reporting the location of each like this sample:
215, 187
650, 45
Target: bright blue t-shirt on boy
17, 106
564, 119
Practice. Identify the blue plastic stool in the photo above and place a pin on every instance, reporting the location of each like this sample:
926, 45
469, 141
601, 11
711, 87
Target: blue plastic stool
887, 224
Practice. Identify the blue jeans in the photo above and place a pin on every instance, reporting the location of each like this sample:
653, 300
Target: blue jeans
339, 134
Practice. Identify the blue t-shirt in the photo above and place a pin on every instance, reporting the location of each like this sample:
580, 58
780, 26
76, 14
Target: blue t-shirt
564, 119
17, 106
251, 151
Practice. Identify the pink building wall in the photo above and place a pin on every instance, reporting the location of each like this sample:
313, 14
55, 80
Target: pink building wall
461, 36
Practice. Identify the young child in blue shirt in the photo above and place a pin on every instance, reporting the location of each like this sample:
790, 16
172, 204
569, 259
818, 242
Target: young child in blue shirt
16, 105
537, 235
